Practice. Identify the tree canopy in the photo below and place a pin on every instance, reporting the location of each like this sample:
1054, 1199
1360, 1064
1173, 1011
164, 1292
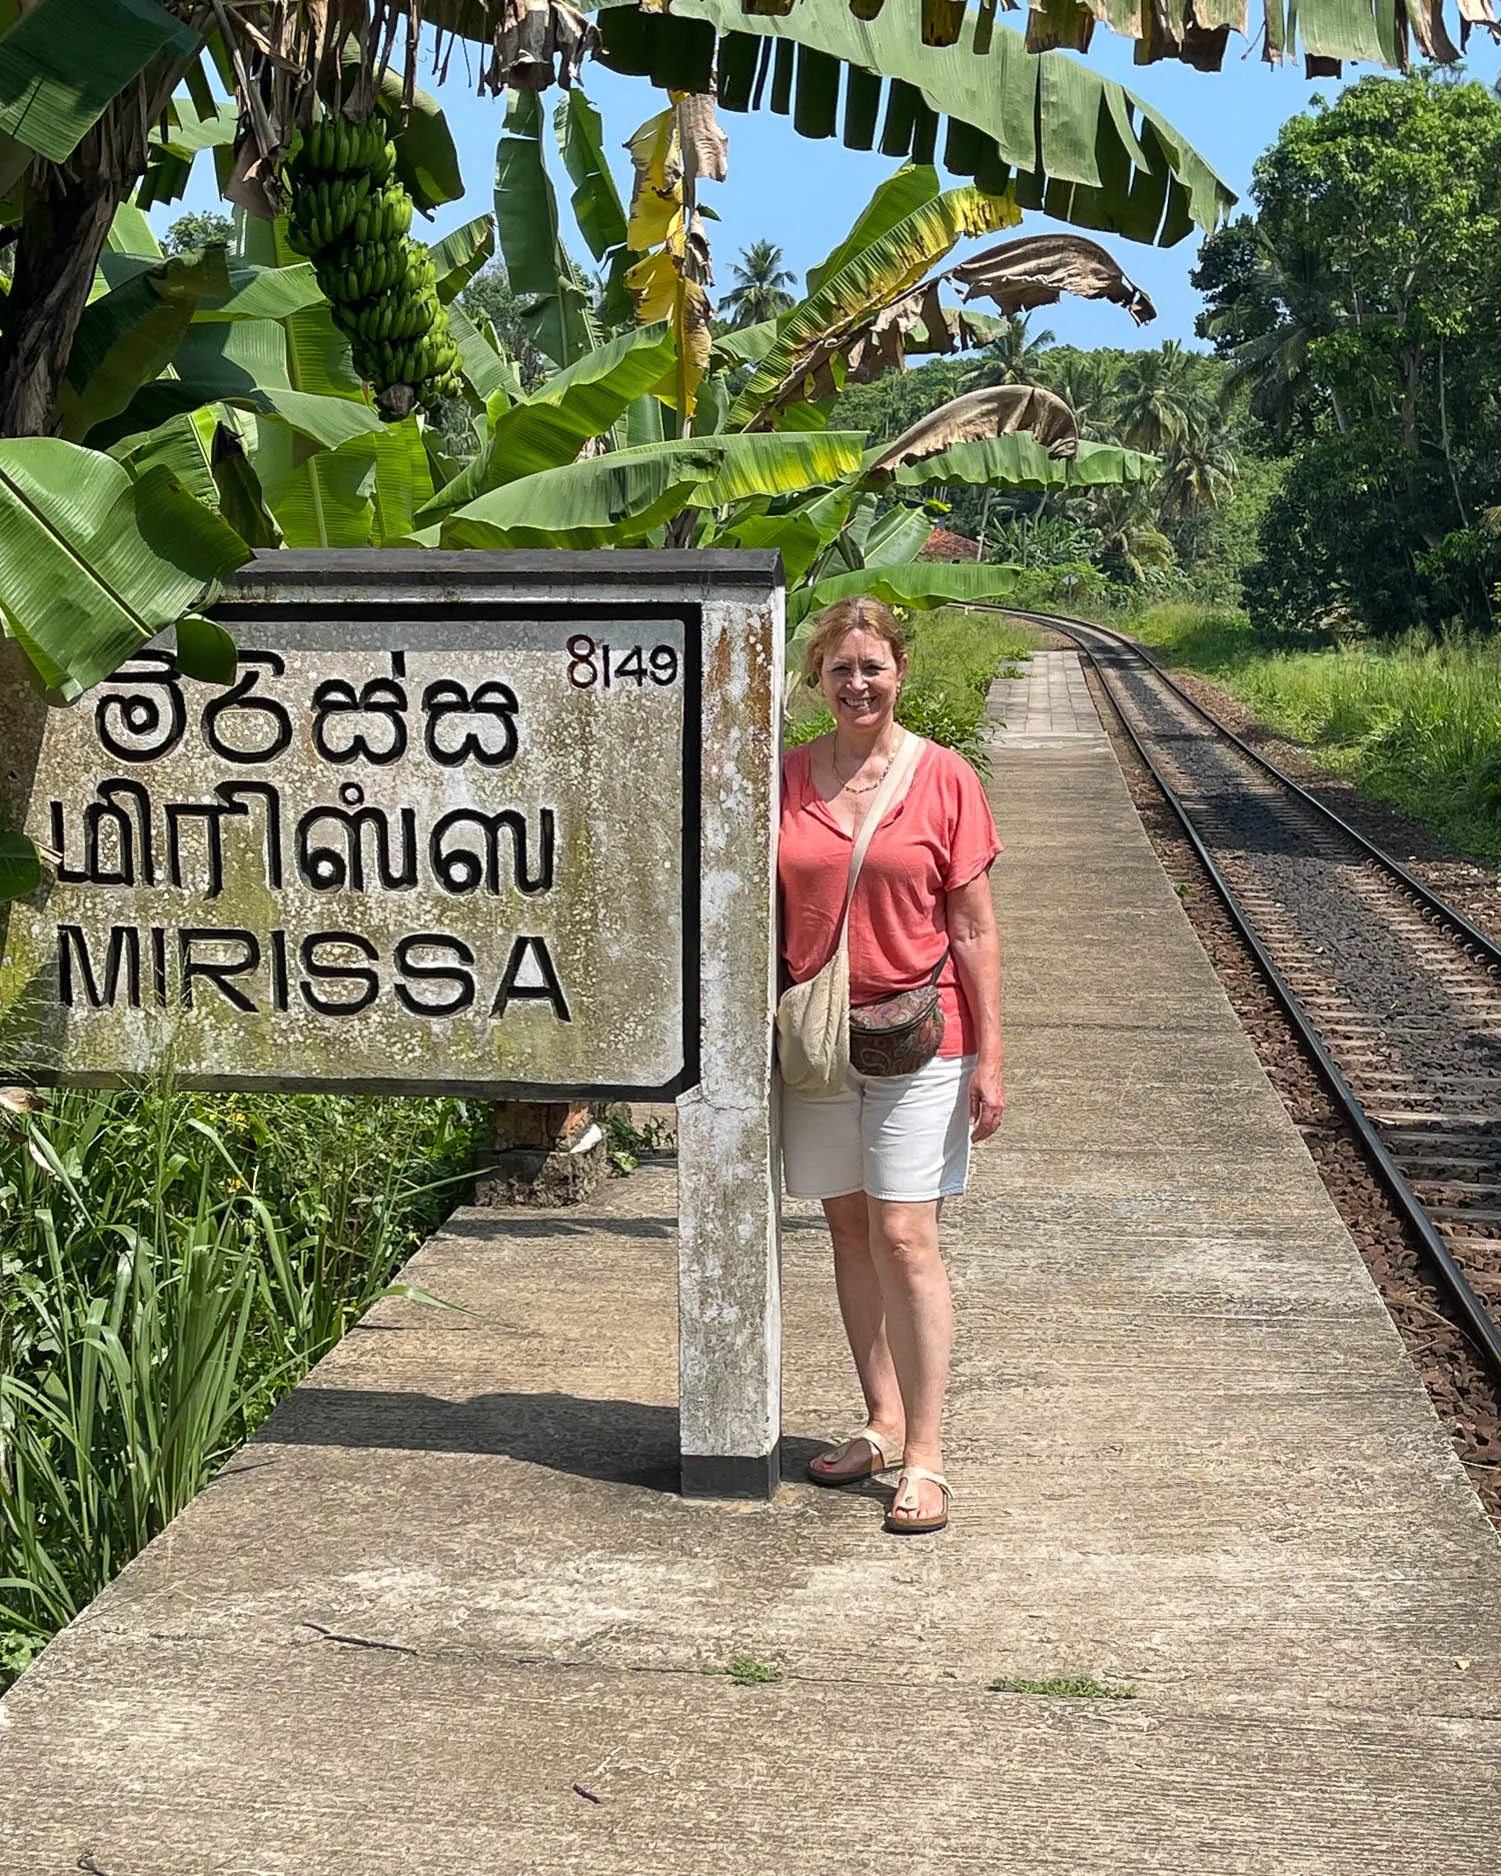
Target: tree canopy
1361, 306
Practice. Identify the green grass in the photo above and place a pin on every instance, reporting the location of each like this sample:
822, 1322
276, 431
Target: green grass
747, 1671
1059, 1687
1414, 723
170, 1265
953, 656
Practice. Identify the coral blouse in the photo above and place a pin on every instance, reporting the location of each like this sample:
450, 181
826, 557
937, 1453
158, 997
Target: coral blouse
938, 837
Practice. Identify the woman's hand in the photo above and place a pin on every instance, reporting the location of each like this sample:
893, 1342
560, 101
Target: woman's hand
987, 1102
976, 945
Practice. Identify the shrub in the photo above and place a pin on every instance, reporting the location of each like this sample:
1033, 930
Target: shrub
170, 1265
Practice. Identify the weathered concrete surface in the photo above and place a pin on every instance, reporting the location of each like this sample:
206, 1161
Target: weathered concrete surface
729, 1254
441, 835
1189, 1454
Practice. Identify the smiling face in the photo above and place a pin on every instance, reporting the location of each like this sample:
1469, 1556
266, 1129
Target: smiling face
859, 679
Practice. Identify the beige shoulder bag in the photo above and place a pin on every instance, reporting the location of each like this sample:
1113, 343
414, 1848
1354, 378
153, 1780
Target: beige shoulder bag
813, 1018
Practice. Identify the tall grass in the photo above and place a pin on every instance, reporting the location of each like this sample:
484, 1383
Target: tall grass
1416, 722
170, 1264
952, 657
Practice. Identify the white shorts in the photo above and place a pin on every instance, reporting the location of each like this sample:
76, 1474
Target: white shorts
889, 1136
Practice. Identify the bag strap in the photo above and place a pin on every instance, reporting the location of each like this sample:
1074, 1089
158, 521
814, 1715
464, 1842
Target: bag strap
902, 764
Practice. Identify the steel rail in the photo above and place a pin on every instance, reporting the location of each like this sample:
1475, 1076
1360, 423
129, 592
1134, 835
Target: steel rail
1472, 935
1481, 1324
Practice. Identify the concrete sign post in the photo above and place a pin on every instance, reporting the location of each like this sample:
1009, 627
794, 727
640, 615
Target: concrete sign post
498, 825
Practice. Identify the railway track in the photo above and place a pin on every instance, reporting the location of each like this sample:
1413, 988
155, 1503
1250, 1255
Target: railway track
1395, 994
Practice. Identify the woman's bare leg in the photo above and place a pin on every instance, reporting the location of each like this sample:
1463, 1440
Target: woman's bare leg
919, 1324
861, 1305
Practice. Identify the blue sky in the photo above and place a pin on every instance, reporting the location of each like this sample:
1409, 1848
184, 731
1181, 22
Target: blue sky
804, 195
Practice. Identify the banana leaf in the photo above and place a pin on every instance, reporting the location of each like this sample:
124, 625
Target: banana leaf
557, 317
96, 563
901, 195
190, 130
605, 501
485, 371
597, 207
459, 256
794, 537
896, 258
403, 479
264, 293
1329, 29
205, 650
250, 364
781, 464
327, 500
915, 583
183, 134
323, 497
242, 500
550, 427
20, 865
642, 423
64, 60
130, 248
427, 161
1021, 462
1055, 133
895, 538
800, 534
745, 345
132, 333
15, 160
183, 445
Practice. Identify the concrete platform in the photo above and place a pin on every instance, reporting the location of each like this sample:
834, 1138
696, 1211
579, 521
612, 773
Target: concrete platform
447, 1615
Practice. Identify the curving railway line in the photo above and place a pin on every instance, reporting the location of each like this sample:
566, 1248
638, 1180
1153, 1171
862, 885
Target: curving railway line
1395, 994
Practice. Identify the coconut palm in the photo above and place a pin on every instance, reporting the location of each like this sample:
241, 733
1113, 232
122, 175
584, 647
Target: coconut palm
1132, 545
1273, 366
761, 283
1014, 356
1086, 384
1199, 473
1160, 406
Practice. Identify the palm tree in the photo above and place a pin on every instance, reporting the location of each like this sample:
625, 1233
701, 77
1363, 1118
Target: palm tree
1199, 473
1160, 406
1013, 356
1274, 365
1131, 543
1197, 477
1084, 381
761, 286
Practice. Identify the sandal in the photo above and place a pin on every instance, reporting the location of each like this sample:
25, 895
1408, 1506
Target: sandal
885, 1454
906, 1495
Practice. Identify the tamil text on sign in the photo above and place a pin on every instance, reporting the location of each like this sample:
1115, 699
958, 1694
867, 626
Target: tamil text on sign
407, 847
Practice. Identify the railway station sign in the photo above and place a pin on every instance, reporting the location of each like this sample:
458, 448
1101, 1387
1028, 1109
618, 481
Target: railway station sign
490, 824
425, 840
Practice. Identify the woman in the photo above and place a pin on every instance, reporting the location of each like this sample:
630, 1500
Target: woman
883, 1155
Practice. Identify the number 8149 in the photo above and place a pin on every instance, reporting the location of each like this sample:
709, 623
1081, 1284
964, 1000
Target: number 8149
591, 663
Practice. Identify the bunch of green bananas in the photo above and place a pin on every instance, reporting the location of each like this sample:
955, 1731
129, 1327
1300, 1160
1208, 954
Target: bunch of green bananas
352, 217
339, 148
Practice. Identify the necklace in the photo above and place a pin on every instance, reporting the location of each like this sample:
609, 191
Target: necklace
870, 787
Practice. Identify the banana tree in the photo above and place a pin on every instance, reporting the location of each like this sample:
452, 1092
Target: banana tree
223, 375
89, 107
636, 441
87, 91
853, 38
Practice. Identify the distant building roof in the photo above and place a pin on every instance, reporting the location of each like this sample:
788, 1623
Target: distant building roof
941, 545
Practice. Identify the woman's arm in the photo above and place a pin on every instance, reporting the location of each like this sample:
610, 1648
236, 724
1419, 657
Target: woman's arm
976, 945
